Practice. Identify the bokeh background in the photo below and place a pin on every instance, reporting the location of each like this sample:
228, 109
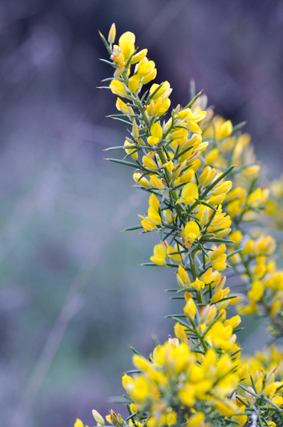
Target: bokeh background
72, 295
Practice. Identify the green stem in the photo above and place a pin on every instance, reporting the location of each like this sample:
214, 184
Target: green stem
199, 335
194, 269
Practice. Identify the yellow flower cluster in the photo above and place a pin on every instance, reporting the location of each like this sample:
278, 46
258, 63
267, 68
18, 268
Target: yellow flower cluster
176, 376
205, 220
275, 204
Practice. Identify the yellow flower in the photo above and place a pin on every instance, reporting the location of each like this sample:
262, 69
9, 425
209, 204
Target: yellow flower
127, 44
135, 130
219, 295
156, 182
234, 208
154, 202
191, 233
79, 423
226, 408
257, 290
156, 109
134, 83
169, 165
218, 258
127, 383
233, 321
138, 56
142, 364
141, 389
210, 277
216, 200
207, 314
189, 193
145, 67
226, 129
121, 106
249, 247
196, 420
258, 198
251, 308
150, 76
175, 257
171, 418
149, 163
186, 176
153, 219
191, 119
236, 236
159, 255
190, 309
155, 134
212, 156
222, 188
141, 181
118, 88
179, 331
221, 336
207, 176
187, 395
183, 278
168, 216
278, 400
147, 224
265, 245
198, 284
161, 91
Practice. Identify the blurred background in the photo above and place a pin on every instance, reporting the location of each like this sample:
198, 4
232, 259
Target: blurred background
72, 296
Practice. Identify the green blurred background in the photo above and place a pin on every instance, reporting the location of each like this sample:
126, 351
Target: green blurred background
72, 295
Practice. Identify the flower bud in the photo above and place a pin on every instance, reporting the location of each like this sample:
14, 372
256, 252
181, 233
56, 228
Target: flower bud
98, 418
190, 309
112, 34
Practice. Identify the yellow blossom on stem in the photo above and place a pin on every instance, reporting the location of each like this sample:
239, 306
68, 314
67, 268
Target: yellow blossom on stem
159, 255
236, 236
188, 163
226, 129
218, 258
149, 163
182, 277
207, 176
198, 284
191, 233
155, 134
189, 193
141, 180
171, 253
134, 83
190, 309
127, 44
121, 106
139, 56
179, 331
156, 182
118, 88
257, 290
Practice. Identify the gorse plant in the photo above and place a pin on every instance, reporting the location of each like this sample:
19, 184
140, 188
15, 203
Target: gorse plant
209, 210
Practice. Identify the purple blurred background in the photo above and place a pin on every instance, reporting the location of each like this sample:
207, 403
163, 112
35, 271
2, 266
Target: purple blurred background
72, 295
